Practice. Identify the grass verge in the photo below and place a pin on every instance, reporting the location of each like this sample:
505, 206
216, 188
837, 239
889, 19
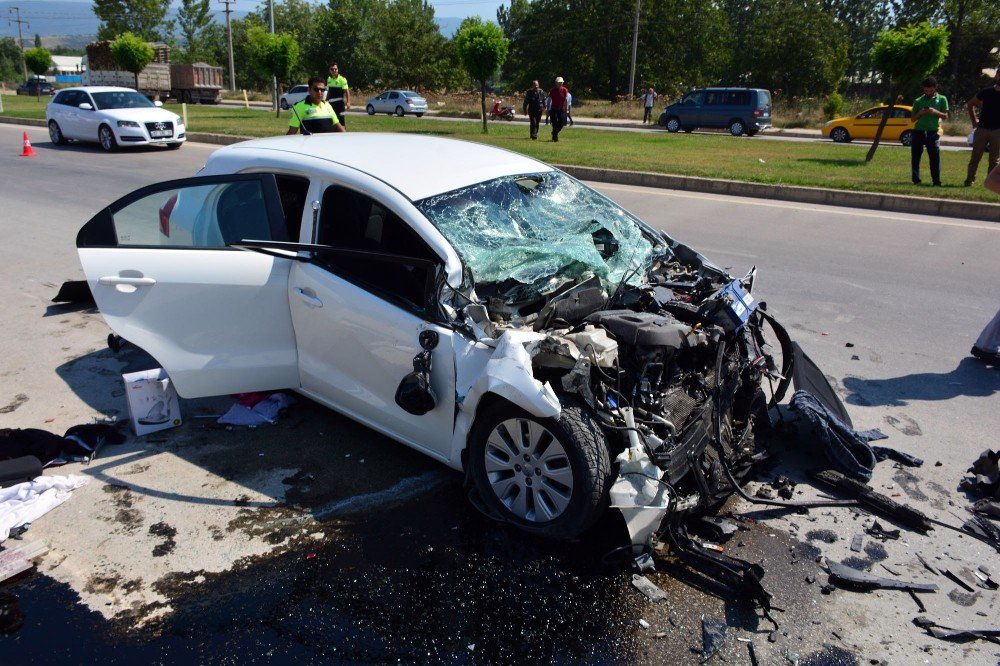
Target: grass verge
756, 160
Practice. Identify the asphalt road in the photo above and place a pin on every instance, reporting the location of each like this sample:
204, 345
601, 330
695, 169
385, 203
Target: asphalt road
887, 305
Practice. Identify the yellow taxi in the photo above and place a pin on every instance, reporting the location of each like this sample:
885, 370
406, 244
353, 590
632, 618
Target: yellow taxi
899, 127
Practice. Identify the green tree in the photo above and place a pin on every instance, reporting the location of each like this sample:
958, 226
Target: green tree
38, 60
482, 49
411, 46
974, 35
144, 18
132, 54
345, 32
862, 21
272, 54
10, 59
193, 18
797, 48
903, 55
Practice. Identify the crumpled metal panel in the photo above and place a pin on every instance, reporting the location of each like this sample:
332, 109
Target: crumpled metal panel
510, 228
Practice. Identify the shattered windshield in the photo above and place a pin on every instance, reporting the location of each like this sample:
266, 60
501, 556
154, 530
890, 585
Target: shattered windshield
540, 231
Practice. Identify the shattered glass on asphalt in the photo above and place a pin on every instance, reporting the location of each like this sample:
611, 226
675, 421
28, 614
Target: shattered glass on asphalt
531, 229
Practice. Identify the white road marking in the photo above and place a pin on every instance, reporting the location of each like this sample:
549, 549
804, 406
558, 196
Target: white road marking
854, 212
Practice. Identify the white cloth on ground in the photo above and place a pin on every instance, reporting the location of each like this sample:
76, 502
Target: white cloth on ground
28, 501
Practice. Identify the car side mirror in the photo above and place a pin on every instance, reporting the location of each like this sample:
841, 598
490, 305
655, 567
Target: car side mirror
414, 393
157, 103
85, 106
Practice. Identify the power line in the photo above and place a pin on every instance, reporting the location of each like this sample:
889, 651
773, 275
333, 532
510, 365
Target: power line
20, 40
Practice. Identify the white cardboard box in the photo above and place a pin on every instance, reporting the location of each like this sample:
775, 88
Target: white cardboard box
152, 401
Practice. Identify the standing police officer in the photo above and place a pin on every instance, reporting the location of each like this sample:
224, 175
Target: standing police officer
314, 115
339, 94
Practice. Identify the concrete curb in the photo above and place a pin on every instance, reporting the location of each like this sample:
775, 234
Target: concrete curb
896, 203
970, 210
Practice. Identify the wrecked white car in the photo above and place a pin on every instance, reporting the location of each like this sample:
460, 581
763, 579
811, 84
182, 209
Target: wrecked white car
485, 309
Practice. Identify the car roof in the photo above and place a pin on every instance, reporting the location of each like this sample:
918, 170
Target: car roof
418, 166
97, 89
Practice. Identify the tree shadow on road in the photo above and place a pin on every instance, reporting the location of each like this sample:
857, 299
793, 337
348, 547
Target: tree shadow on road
970, 378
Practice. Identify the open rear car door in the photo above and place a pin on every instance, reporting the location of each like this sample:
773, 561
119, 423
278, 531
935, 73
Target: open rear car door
216, 318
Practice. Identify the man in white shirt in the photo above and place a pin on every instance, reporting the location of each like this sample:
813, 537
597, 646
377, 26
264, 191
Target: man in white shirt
647, 103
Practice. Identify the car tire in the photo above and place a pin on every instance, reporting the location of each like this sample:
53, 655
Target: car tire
419, 115
906, 138
399, 112
106, 138
752, 131
370, 109
55, 134
283, 105
673, 124
563, 489
737, 127
688, 130
840, 135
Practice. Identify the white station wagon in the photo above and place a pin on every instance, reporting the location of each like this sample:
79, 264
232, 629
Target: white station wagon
487, 309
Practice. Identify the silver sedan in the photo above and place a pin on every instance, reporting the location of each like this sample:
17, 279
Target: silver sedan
399, 102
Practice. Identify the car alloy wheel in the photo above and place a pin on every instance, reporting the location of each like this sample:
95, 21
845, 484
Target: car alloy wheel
673, 124
736, 128
55, 134
107, 138
370, 109
840, 135
906, 138
547, 476
283, 104
399, 111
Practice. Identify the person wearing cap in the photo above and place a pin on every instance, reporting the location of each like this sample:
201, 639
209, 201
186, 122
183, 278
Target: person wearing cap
928, 110
314, 115
986, 128
559, 97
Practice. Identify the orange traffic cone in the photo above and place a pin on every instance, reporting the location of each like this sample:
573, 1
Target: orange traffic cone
28, 150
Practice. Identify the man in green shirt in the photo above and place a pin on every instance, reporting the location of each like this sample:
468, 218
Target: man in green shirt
314, 115
339, 95
928, 109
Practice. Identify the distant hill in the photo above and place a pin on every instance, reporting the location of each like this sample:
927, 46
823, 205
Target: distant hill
75, 23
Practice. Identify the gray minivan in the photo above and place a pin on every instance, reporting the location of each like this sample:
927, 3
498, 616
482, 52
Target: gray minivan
740, 110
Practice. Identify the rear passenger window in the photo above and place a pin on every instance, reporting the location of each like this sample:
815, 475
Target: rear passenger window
713, 98
352, 221
737, 98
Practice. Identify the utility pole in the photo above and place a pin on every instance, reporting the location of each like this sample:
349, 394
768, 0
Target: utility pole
274, 79
635, 47
229, 37
20, 40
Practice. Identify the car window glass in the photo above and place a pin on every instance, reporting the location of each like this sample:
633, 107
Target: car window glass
713, 98
393, 95
868, 115
692, 98
121, 99
900, 113
352, 221
737, 98
61, 97
763, 99
292, 191
206, 216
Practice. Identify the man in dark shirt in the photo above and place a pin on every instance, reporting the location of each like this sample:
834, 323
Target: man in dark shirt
559, 96
534, 102
986, 128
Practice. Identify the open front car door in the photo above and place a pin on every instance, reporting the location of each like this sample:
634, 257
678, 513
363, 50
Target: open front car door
162, 274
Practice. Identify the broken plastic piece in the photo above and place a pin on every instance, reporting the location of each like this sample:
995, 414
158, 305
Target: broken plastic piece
901, 513
958, 635
713, 635
958, 581
857, 542
855, 578
876, 531
648, 588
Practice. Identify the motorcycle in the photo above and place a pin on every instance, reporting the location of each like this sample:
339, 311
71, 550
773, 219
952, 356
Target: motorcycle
501, 112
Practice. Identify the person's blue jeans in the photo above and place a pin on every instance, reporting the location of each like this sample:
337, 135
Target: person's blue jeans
932, 141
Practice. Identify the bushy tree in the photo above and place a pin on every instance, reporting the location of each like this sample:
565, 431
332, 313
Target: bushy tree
797, 48
144, 18
973, 38
132, 54
272, 54
862, 22
482, 49
38, 60
193, 19
903, 55
10, 59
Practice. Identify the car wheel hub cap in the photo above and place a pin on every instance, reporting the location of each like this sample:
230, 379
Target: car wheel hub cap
528, 470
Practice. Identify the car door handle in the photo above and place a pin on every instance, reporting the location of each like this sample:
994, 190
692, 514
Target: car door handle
133, 281
308, 298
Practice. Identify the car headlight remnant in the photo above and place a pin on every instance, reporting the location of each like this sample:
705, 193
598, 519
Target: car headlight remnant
127, 123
